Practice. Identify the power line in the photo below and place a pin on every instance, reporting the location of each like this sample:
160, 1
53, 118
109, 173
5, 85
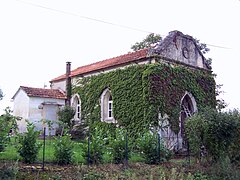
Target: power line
84, 17
102, 21
222, 47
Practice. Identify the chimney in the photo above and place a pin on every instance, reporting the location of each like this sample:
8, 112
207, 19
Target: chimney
68, 83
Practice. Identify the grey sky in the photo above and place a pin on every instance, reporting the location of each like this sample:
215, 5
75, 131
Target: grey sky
37, 37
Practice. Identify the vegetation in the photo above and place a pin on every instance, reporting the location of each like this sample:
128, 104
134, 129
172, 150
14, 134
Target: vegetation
141, 92
120, 146
150, 40
1, 94
65, 115
215, 133
8, 126
63, 149
94, 147
101, 143
154, 152
28, 146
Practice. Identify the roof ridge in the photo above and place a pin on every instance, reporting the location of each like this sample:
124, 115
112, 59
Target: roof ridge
111, 58
106, 63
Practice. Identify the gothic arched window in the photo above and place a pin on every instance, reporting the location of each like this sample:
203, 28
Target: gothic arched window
107, 106
76, 104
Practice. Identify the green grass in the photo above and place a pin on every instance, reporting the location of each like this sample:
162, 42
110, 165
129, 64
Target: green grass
11, 153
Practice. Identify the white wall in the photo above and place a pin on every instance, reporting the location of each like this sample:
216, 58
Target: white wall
21, 108
28, 108
59, 85
49, 111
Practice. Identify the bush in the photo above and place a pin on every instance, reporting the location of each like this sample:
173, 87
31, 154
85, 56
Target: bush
7, 123
63, 149
28, 147
148, 145
224, 169
118, 145
217, 131
93, 149
8, 170
65, 115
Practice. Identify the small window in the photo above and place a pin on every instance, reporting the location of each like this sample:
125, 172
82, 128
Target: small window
78, 109
110, 102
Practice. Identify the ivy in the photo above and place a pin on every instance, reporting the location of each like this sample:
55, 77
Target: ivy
140, 92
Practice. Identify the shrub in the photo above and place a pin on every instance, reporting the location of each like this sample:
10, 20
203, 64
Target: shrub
8, 170
28, 147
148, 145
63, 149
66, 114
118, 145
224, 169
7, 123
216, 131
93, 149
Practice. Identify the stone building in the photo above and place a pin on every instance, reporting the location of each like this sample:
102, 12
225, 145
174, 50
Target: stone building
175, 51
134, 90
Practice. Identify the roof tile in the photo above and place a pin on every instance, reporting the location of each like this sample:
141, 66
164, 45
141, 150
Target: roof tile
44, 93
108, 63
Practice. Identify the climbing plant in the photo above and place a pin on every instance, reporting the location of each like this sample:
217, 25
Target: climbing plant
140, 92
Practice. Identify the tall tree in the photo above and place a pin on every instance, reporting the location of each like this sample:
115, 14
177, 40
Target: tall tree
147, 42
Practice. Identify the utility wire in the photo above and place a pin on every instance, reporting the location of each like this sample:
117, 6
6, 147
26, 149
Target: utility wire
101, 21
84, 17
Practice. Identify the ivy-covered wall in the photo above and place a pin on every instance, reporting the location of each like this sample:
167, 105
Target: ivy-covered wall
139, 92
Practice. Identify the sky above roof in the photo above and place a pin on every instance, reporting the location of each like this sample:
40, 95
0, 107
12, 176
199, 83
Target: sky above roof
37, 37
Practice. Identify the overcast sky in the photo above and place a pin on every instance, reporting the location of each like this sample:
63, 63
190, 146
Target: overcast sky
37, 37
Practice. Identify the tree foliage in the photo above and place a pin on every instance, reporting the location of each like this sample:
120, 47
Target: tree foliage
217, 131
151, 39
66, 115
204, 49
8, 123
28, 146
1, 94
63, 149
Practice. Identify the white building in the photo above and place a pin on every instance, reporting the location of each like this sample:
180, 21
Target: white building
36, 105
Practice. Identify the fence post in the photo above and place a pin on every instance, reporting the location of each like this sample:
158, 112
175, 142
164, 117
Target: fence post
88, 146
159, 147
44, 143
126, 151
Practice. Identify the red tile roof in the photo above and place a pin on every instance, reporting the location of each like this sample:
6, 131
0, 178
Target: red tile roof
44, 93
108, 63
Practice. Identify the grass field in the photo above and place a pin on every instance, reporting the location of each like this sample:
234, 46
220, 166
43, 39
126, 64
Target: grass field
11, 166
11, 154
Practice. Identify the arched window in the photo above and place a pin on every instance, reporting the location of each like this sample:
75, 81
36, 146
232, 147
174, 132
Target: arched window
76, 104
107, 106
188, 108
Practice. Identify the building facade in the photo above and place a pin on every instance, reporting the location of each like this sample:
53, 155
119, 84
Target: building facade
137, 89
37, 105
